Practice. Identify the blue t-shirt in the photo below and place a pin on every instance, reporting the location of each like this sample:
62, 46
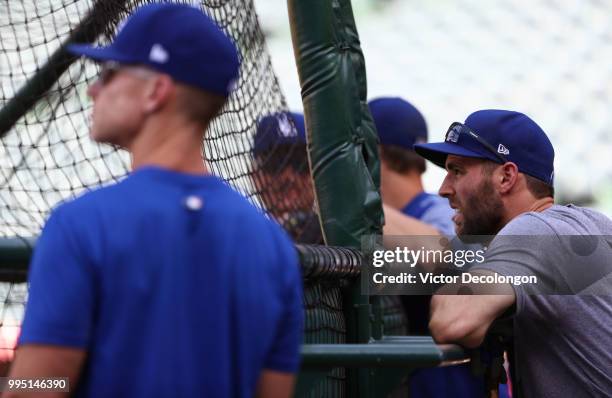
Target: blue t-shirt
174, 284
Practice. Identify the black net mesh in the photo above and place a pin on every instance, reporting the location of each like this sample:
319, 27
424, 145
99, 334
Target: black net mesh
395, 323
325, 323
47, 156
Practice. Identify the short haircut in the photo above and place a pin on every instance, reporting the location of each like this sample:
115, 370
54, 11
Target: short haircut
198, 105
402, 160
538, 188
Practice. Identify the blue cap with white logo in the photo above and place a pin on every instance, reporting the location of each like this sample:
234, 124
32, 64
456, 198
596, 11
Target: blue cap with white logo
398, 122
500, 136
175, 39
278, 129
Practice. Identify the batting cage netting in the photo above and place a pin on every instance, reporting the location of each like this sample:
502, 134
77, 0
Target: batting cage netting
46, 156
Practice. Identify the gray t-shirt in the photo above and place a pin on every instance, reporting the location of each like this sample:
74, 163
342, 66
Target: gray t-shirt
562, 325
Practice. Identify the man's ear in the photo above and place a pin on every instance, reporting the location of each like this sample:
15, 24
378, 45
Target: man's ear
507, 177
158, 92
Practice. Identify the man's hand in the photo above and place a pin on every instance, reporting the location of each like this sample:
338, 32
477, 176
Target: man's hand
273, 384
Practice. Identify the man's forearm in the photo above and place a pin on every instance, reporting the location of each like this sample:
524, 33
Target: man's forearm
43, 361
465, 319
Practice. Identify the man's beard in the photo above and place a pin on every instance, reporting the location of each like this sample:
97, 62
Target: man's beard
482, 211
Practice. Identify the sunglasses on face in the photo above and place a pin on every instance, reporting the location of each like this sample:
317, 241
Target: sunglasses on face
457, 129
108, 70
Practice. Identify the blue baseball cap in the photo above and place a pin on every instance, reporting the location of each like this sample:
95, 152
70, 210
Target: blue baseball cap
500, 136
278, 129
175, 39
398, 122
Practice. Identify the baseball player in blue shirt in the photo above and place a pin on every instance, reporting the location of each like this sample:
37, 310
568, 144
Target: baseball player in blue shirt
168, 283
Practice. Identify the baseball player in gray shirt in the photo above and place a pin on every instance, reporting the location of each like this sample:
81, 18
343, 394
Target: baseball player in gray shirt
500, 182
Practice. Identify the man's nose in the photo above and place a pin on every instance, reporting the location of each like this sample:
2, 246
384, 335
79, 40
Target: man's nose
446, 189
94, 89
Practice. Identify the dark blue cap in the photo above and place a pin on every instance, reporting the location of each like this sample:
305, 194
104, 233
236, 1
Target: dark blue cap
176, 39
278, 129
398, 122
495, 135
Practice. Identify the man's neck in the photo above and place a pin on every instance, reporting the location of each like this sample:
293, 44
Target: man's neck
174, 146
518, 207
541, 204
400, 189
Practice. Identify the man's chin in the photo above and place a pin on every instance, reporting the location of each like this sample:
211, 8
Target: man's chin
474, 233
97, 137
101, 139
459, 230
464, 234
466, 229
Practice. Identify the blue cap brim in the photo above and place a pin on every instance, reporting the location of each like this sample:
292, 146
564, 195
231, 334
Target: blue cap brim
99, 53
437, 152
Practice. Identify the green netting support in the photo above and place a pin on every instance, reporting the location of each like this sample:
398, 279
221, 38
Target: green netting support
342, 142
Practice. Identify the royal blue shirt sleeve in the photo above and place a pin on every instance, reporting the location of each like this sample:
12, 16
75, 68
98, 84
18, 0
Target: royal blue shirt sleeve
284, 355
60, 304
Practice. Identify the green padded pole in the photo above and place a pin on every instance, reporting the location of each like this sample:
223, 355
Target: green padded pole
342, 142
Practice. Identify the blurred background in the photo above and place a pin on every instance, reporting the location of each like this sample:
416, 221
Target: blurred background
549, 59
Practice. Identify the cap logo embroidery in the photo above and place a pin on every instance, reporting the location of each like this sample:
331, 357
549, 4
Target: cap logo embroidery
453, 135
503, 150
158, 54
285, 127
